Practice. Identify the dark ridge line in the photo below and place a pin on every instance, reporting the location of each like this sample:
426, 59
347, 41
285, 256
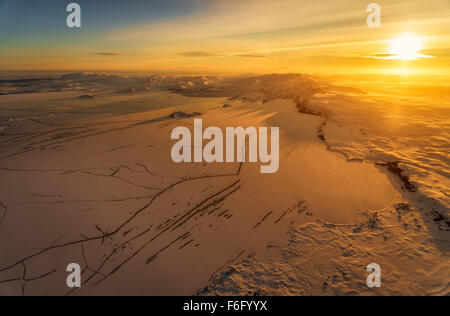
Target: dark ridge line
113, 175
321, 132
393, 167
187, 236
282, 216
46, 196
5, 207
86, 262
146, 169
59, 170
45, 123
118, 200
213, 210
24, 278
240, 168
37, 135
213, 280
53, 243
127, 232
61, 138
27, 80
86, 210
302, 108
105, 234
262, 220
186, 244
223, 213
119, 148
227, 263
143, 166
155, 256
19, 134
112, 169
10, 280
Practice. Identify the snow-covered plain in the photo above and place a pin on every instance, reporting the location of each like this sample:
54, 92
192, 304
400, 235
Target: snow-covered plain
86, 177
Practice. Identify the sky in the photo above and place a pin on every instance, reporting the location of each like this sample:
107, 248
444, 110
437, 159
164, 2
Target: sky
224, 36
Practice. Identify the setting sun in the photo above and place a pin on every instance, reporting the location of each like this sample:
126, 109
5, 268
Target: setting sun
406, 47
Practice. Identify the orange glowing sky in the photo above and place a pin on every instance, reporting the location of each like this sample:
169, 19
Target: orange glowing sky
231, 36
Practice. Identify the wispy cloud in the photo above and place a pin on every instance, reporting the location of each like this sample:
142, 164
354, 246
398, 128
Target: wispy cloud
382, 55
397, 56
250, 56
199, 54
110, 54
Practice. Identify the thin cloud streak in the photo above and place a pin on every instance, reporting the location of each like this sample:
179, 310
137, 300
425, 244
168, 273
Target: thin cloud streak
199, 54
110, 54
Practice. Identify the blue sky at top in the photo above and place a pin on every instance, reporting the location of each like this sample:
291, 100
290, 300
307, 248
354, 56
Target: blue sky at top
22, 19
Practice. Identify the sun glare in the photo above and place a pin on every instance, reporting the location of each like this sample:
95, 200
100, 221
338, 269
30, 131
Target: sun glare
406, 47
